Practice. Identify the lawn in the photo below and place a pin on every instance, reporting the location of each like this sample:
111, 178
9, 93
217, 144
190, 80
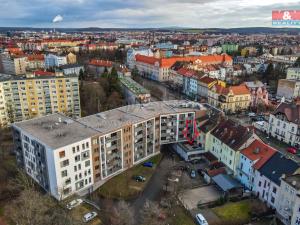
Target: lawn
123, 186
234, 212
181, 217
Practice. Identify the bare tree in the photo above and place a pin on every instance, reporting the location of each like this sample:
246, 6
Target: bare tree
151, 214
122, 214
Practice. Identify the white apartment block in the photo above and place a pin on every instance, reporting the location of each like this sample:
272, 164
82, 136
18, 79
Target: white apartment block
67, 156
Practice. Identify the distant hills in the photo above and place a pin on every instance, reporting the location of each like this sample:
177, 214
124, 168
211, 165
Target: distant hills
242, 30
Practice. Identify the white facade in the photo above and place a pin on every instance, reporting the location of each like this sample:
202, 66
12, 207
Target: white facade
55, 61
265, 189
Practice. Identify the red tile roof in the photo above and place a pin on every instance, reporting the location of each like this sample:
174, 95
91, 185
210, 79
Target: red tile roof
168, 62
215, 172
35, 57
259, 152
43, 73
101, 63
187, 72
240, 90
207, 80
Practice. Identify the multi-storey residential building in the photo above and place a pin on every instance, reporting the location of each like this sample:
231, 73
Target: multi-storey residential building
293, 73
284, 123
52, 60
205, 83
134, 92
288, 199
24, 98
14, 65
267, 178
66, 156
70, 69
231, 99
160, 68
226, 141
98, 66
35, 62
253, 158
289, 89
259, 93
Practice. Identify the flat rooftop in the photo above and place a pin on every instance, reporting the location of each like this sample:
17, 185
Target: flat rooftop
133, 86
57, 130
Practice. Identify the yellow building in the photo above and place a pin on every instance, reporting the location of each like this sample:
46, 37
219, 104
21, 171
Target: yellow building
231, 99
37, 95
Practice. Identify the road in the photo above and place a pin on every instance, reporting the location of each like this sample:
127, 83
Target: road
154, 86
154, 187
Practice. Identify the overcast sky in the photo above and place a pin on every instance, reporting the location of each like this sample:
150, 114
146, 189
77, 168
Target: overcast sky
142, 13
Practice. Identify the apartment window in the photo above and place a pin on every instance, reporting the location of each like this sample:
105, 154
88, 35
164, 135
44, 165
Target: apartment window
64, 163
272, 199
87, 163
85, 155
68, 181
87, 145
64, 173
97, 167
79, 166
62, 154
259, 183
77, 158
73, 149
96, 158
75, 168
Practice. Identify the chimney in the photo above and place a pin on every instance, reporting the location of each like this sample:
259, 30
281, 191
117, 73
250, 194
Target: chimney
294, 183
283, 176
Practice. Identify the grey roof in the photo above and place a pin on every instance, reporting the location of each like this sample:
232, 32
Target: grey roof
57, 130
226, 182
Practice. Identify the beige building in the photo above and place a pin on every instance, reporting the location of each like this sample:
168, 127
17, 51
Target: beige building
25, 98
231, 99
71, 58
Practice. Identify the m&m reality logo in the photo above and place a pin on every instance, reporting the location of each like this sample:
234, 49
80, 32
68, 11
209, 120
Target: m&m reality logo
286, 17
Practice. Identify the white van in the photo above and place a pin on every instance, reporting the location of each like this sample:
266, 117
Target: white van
201, 220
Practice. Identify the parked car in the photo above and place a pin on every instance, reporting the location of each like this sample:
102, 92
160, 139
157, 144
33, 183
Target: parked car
193, 174
201, 220
291, 150
139, 178
148, 164
89, 216
74, 203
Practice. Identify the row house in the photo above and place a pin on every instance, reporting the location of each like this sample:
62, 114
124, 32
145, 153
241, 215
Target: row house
284, 123
267, 178
253, 158
288, 199
226, 141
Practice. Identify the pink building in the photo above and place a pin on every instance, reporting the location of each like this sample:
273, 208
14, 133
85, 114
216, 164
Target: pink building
259, 93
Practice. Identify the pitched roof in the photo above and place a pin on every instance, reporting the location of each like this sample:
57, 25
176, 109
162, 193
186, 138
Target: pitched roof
101, 63
232, 134
39, 57
207, 80
259, 152
239, 90
187, 72
290, 110
276, 166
